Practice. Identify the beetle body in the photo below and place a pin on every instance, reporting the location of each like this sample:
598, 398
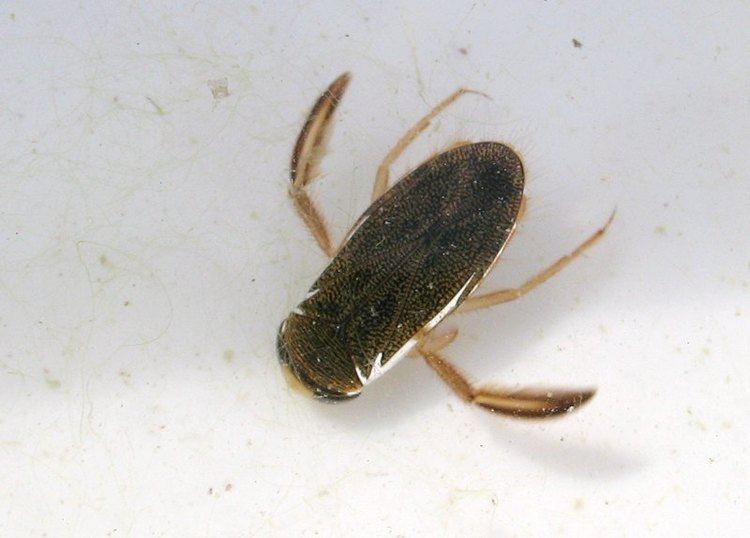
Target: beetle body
415, 254
413, 257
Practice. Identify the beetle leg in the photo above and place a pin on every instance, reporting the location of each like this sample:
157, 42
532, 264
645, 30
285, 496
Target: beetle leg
454, 145
381, 180
522, 209
503, 296
522, 403
436, 344
306, 157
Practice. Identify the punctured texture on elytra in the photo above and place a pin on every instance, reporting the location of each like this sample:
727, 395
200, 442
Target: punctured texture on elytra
413, 256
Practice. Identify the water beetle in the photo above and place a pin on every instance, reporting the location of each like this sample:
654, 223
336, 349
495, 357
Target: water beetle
415, 256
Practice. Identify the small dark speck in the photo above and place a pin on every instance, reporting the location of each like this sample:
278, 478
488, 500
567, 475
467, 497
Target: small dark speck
577, 44
464, 51
210, 491
228, 487
126, 303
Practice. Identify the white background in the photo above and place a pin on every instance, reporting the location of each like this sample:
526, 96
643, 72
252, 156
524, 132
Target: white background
148, 254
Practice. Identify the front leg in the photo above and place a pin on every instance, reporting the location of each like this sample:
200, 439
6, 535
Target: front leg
306, 157
381, 180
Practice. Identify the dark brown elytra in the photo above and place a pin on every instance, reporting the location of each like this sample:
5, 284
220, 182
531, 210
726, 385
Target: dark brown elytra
415, 256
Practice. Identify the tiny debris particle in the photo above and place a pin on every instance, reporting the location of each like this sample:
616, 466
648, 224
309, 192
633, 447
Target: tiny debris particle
159, 110
210, 491
661, 230
464, 51
228, 487
219, 87
52, 383
229, 355
577, 44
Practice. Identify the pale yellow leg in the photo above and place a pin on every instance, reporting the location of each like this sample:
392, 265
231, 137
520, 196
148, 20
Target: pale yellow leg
434, 344
523, 403
503, 296
306, 157
381, 180
457, 144
312, 219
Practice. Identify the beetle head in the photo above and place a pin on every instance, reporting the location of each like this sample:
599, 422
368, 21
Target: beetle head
317, 369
